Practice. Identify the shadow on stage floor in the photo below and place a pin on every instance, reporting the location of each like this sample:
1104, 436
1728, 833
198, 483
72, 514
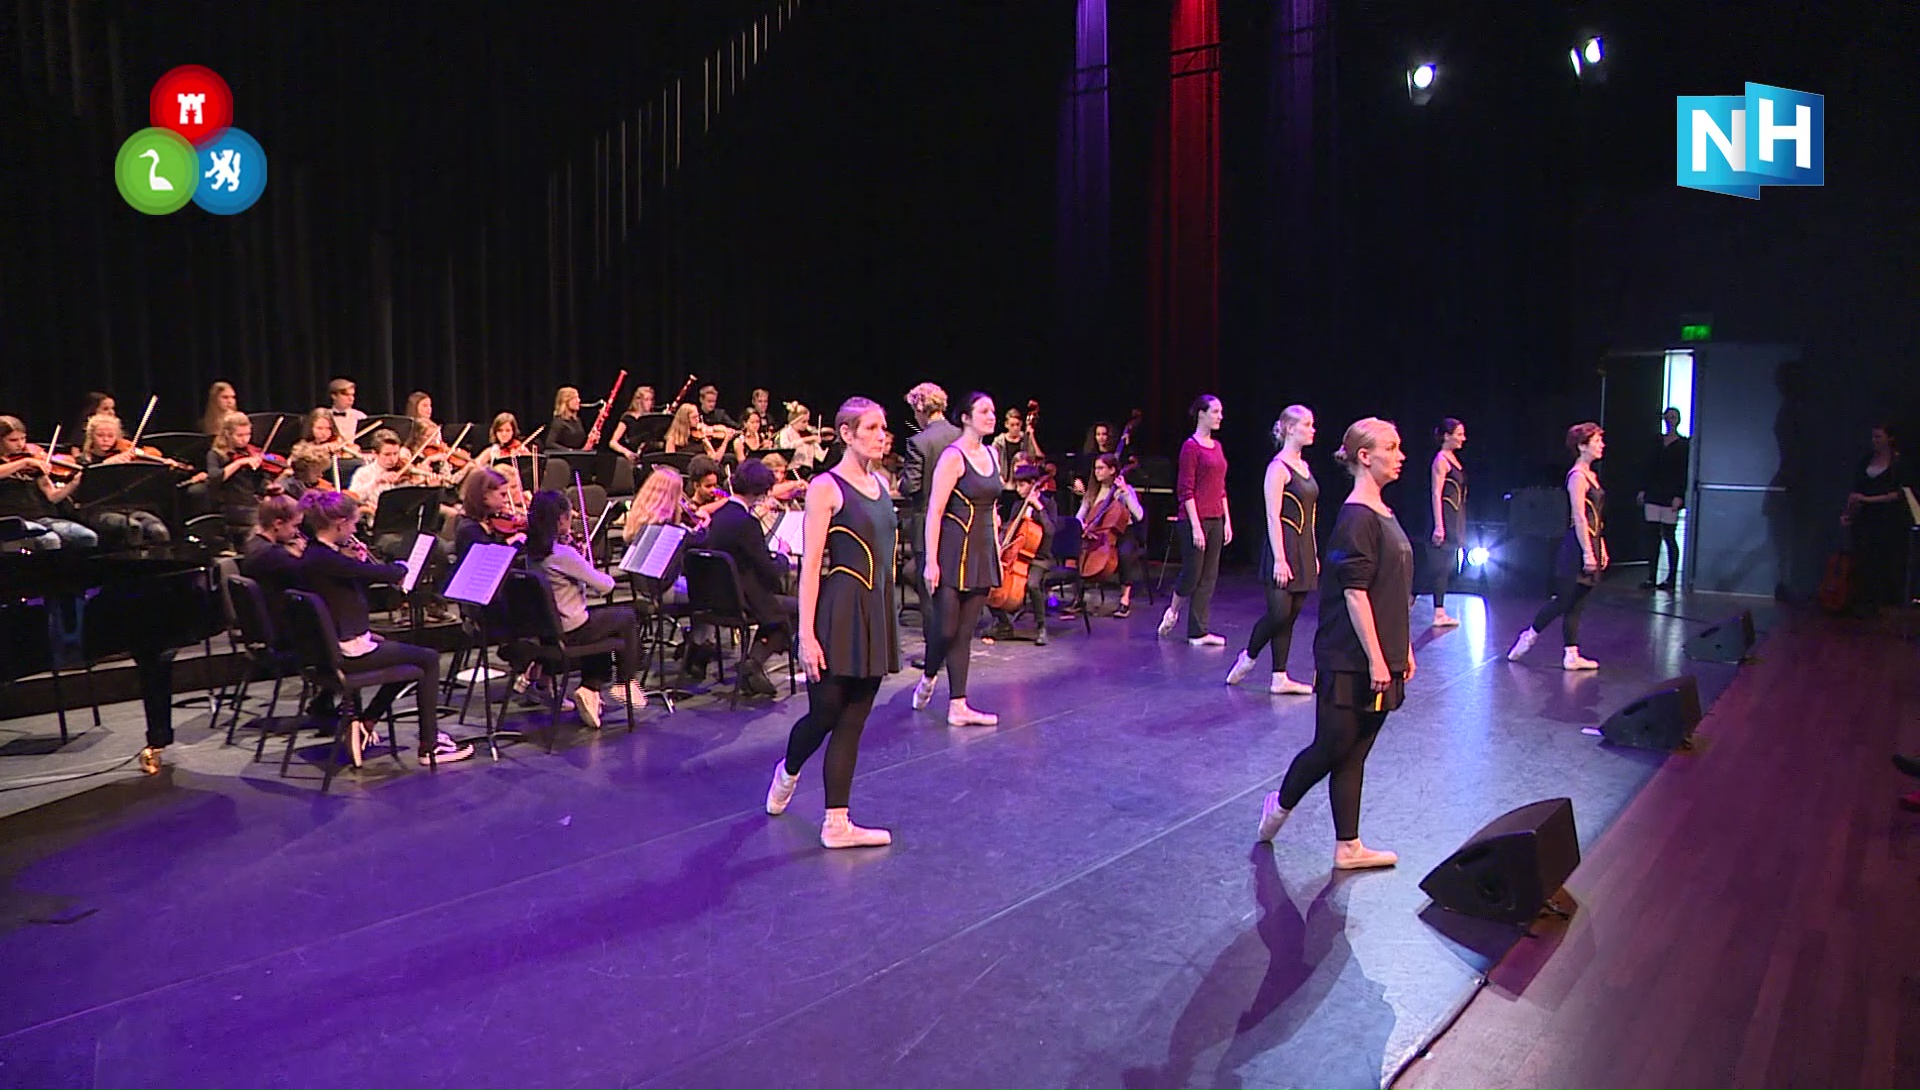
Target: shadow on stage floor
1073, 898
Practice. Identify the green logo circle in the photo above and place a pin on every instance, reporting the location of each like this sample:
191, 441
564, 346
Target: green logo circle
156, 171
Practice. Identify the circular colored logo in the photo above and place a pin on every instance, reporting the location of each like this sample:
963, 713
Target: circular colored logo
156, 171
233, 173
193, 101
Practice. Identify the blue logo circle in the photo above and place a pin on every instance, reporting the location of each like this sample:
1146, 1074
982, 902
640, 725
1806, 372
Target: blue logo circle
233, 173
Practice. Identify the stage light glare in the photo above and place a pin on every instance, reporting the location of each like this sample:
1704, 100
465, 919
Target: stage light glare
1423, 76
1574, 56
1478, 556
1592, 51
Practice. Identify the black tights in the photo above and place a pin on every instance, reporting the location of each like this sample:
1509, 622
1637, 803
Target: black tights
1276, 628
1569, 599
950, 636
837, 710
1342, 738
1665, 541
1446, 559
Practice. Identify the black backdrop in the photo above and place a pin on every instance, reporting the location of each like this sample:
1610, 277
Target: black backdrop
875, 204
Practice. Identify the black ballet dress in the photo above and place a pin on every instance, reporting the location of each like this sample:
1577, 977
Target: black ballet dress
1299, 507
969, 558
853, 618
1453, 507
1570, 562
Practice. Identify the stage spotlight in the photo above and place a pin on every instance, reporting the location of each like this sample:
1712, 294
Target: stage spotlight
1592, 51
1586, 60
1478, 556
1420, 81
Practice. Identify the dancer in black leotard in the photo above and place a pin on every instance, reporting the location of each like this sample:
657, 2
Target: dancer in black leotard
1583, 551
963, 562
1362, 653
1289, 557
847, 637
1448, 490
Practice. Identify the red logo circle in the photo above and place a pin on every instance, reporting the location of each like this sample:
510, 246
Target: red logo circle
193, 101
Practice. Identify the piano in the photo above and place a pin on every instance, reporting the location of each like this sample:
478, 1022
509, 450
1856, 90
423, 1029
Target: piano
147, 603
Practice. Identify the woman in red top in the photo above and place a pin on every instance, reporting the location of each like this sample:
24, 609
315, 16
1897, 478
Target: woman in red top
1205, 525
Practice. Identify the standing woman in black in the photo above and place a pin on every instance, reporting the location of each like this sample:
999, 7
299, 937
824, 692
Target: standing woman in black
848, 642
1583, 551
1289, 557
1876, 520
1362, 651
963, 557
1449, 494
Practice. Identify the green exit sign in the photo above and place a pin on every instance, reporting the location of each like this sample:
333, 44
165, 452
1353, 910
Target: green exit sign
1696, 331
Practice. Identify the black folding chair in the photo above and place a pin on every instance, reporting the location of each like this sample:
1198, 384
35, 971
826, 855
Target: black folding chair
532, 615
314, 640
266, 654
714, 597
1066, 568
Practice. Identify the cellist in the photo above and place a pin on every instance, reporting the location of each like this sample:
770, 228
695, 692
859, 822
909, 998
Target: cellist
1107, 514
1025, 559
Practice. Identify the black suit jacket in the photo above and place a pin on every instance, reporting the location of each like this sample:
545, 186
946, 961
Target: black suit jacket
734, 531
921, 455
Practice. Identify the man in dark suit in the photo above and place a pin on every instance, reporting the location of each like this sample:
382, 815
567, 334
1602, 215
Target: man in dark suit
735, 531
929, 404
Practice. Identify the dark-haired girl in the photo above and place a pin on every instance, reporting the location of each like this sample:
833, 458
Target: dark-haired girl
1206, 525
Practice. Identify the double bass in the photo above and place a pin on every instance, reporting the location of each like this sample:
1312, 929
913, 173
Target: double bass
1100, 538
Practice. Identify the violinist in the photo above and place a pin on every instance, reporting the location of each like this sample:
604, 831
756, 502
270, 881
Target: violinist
96, 403
28, 491
660, 502
565, 431
787, 493
1099, 516
347, 420
762, 570
760, 401
704, 496
422, 431
487, 515
719, 424
571, 577
221, 400
105, 446
321, 439
753, 436
687, 433
625, 441
1017, 445
240, 475
428, 445
1036, 557
504, 442
800, 437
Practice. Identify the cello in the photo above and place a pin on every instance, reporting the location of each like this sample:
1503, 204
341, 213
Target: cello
1019, 546
1100, 538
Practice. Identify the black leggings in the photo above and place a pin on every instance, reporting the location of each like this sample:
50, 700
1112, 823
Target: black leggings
1342, 738
602, 623
1276, 628
950, 636
1446, 559
1665, 541
394, 653
1569, 599
837, 706
1199, 570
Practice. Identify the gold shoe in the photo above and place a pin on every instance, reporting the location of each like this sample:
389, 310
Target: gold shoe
150, 760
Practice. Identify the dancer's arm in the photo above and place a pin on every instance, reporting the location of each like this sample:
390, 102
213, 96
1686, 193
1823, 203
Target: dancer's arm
1438, 484
1577, 494
1276, 491
946, 474
823, 499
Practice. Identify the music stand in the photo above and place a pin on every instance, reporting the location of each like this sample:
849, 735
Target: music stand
592, 467
784, 452
283, 440
678, 461
185, 446
649, 430
403, 509
398, 425
130, 486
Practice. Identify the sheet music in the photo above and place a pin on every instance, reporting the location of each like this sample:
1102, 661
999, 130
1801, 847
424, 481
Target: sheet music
479, 576
792, 530
417, 561
653, 551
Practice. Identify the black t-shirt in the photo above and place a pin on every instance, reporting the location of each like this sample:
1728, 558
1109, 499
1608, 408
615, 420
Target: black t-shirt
1368, 551
718, 415
566, 433
1667, 473
20, 497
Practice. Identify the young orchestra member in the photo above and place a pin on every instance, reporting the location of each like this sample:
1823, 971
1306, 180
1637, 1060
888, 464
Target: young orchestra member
503, 441
759, 401
1582, 558
102, 447
1099, 439
571, 578
1362, 652
718, 423
736, 531
685, 433
1206, 524
347, 420
565, 431
1025, 480
321, 440
221, 400
752, 437
1015, 446
239, 476
800, 437
27, 492
1447, 490
1289, 563
1111, 488
962, 557
661, 501
96, 403
625, 440
848, 642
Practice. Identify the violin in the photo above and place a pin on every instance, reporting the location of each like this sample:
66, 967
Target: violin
149, 455
505, 523
275, 464
59, 467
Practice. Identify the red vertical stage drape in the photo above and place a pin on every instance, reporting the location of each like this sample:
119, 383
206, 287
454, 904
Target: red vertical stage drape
1185, 248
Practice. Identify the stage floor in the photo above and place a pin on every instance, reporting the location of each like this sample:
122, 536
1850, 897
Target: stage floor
1073, 898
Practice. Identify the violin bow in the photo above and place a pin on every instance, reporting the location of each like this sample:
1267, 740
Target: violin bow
144, 417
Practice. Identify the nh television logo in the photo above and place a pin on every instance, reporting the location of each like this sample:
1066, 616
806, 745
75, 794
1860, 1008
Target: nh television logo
1735, 144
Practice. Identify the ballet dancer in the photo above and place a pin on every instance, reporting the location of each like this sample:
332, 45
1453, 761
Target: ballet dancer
1289, 557
1583, 551
1448, 492
963, 557
1207, 524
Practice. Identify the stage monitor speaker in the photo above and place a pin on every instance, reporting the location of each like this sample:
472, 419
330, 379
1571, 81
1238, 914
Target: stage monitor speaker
1508, 870
1662, 719
1729, 641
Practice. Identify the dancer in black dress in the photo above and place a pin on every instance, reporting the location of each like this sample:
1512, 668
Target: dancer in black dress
1361, 651
1876, 520
1448, 490
963, 557
1583, 551
1289, 557
848, 642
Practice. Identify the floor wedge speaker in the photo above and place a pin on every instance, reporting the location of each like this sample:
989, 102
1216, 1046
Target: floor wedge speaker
1729, 641
1508, 870
1662, 718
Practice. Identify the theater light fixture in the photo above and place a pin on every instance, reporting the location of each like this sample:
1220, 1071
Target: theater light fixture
1421, 79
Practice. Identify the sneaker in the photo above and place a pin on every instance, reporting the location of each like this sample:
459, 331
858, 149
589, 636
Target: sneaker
1271, 817
839, 831
1167, 620
960, 715
1666, 584
1282, 685
1125, 611
754, 680
1522, 645
587, 703
1040, 636
923, 692
448, 750
630, 693
780, 792
1353, 855
1211, 639
1443, 619
1571, 659
1241, 667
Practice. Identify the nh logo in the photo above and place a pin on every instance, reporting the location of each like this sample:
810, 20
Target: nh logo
1736, 144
